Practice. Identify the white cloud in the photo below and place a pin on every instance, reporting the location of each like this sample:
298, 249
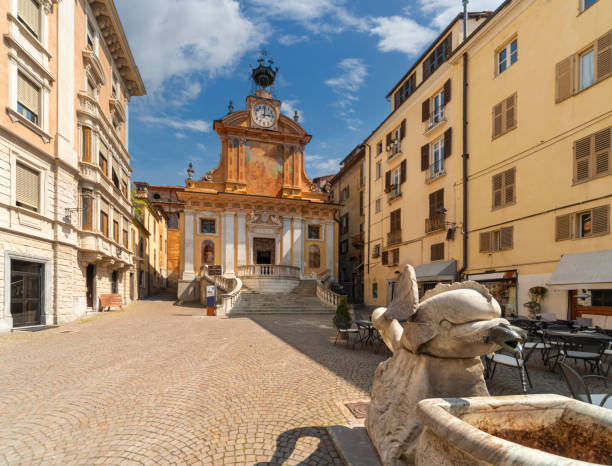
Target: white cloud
353, 75
320, 165
319, 16
182, 37
180, 135
189, 125
201, 146
353, 72
289, 107
444, 11
290, 39
401, 34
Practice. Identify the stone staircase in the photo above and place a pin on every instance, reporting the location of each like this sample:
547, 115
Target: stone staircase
302, 300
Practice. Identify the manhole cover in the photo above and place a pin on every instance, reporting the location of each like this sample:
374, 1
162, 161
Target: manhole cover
359, 409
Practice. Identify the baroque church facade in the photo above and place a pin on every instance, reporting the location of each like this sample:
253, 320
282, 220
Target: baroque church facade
257, 207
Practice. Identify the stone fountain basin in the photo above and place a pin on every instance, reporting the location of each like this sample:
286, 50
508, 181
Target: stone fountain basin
477, 431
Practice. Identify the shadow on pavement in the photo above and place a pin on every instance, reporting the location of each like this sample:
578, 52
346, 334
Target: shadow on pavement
313, 335
287, 441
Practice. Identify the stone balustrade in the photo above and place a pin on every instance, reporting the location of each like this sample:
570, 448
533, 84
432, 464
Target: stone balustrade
268, 270
327, 296
231, 286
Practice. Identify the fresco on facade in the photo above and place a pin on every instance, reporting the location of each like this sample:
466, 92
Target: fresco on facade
264, 168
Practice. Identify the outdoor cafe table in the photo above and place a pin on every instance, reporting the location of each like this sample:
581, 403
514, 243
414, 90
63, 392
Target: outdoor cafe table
582, 334
366, 324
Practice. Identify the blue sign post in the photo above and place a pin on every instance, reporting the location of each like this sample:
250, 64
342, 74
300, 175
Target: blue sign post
210, 300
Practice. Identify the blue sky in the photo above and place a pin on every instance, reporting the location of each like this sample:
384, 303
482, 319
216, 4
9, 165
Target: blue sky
338, 59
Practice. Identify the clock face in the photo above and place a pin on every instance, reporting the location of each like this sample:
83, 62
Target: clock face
264, 115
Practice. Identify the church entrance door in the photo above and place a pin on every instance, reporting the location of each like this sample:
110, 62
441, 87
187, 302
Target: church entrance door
263, 250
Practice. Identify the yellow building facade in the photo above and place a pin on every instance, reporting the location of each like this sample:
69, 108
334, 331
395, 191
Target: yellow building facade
413, 163
257, 213
348, 189
529, 119
540, 111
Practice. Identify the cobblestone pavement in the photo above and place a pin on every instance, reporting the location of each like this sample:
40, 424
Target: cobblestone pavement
162, 384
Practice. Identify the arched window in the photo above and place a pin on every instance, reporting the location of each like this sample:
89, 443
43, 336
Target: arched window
314, 257
208, 252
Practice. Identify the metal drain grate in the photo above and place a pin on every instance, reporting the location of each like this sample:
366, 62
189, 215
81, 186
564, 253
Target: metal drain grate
358, 410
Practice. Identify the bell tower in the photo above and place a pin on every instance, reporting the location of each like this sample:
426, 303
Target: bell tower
264, 110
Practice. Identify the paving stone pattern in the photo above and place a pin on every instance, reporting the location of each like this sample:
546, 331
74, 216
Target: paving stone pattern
162, 384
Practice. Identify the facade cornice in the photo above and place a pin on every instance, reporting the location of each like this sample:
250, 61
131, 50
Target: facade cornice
114, 36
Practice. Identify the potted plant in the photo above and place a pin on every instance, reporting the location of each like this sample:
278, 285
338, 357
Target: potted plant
536, 295
342, 318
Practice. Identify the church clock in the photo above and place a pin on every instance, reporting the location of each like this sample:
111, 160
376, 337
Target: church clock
263, 115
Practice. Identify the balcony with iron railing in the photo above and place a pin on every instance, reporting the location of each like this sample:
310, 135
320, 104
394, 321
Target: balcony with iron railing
358, 239
435, 223
436, 118
394, 237
394, 148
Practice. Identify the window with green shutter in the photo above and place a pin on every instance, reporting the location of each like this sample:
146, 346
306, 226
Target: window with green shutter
27, 184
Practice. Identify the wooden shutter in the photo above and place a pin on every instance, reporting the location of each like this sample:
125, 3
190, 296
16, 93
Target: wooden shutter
396, 220
432, 204
27, 187
485, 241
385, 257
582, 159
601, 151
509, 183
436, 201
564, 82
388, 139
563, 227
601, 220
28, 94
403, 171
447, 91
448, 142
498, 190
506, 240
395, 256
387, 181
437, 251
498, 119
603, 56
360, 202
86, 153
29, 12
510, 113
361, 183
424, 157
425, 111
403, 129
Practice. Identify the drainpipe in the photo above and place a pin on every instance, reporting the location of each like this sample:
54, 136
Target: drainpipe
465, 157
369, 200
465, 18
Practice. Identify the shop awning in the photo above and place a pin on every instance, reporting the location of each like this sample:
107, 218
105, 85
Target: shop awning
586, 270
437, 271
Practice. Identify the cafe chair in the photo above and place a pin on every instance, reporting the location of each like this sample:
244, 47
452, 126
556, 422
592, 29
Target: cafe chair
515, 359
580, 391
345, 328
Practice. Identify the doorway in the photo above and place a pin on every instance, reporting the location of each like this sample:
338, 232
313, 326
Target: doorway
263, 250
26, 293
89, 284
115, 282
131, 286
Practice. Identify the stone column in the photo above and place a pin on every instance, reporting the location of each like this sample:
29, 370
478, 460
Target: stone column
241, 238
189, 272
228, 242
286, 259
329, 248
298, 242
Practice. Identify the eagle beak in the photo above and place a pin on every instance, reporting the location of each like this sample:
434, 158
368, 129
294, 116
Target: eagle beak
508, 337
